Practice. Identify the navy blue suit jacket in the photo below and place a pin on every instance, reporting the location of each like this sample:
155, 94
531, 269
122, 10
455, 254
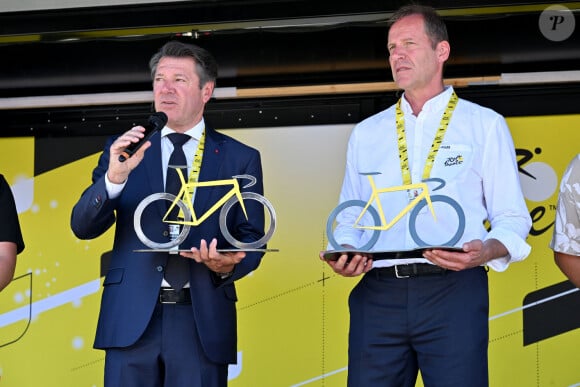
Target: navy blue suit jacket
131, 285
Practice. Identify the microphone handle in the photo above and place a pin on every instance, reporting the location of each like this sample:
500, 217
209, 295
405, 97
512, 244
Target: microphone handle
156, 122
134, 147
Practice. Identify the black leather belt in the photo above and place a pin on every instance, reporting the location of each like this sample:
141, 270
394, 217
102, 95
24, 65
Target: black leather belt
172, 296
409, 270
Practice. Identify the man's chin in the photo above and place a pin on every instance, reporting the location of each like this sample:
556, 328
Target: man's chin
401, 84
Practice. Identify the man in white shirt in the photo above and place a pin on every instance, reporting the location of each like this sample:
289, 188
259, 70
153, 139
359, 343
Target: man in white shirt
428, 312
566, 239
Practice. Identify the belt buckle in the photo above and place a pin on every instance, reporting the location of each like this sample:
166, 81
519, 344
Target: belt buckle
397, 273
162, 299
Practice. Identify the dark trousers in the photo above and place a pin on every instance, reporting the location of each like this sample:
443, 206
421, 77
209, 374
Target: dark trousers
168, 354
436, 324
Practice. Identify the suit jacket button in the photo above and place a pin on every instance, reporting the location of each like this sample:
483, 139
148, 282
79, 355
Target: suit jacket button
165, 233
159, 268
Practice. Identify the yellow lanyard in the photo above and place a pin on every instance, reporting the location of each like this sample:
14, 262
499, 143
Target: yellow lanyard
402, 140
196, 165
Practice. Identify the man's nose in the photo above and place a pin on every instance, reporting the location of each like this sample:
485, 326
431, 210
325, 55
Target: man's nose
167, 87
397, 53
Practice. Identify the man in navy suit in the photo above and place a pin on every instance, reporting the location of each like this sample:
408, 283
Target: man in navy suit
153, 334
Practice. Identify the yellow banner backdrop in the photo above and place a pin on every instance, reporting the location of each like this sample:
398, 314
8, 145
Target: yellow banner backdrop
293, 314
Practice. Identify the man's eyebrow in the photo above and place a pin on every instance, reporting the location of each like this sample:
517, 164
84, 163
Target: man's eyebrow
161, 73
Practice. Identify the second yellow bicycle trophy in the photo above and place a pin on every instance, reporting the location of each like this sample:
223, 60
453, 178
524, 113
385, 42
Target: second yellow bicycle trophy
375, 220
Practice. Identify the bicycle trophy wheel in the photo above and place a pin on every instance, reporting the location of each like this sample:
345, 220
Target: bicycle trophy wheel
143, 206
245, 197
437, 198
374, 217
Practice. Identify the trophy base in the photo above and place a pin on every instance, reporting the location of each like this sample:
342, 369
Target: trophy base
188, 251
333, 255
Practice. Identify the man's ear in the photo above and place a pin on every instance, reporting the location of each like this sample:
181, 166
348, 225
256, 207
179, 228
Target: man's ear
207, 91
443, 50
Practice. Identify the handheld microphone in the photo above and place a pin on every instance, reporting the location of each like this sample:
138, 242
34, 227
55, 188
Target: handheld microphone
156, 122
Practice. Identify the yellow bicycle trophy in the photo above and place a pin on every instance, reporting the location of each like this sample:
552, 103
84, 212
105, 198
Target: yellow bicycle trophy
184, 201
379, 222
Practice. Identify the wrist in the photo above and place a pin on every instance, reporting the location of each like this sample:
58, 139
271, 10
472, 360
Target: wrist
116, 178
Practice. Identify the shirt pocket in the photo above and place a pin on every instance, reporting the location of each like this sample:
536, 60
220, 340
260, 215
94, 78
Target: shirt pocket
452, 160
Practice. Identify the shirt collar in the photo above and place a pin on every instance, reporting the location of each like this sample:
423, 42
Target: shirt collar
194, 132
439, 102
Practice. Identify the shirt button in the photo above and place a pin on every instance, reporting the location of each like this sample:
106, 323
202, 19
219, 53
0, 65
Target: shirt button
165, 233
159, 268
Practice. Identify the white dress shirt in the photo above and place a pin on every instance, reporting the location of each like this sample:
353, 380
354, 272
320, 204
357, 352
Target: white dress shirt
566, 236
477, 161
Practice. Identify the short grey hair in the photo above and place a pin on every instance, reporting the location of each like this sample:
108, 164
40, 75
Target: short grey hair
205, 64
435, 27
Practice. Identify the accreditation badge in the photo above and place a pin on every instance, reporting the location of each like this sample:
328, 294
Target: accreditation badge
414, 193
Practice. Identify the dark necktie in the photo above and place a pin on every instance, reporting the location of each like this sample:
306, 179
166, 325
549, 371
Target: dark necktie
177, 269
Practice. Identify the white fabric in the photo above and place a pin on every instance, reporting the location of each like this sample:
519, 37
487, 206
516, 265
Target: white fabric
566, 237
476, 160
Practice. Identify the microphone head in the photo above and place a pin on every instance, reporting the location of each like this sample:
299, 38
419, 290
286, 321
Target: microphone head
158, 120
